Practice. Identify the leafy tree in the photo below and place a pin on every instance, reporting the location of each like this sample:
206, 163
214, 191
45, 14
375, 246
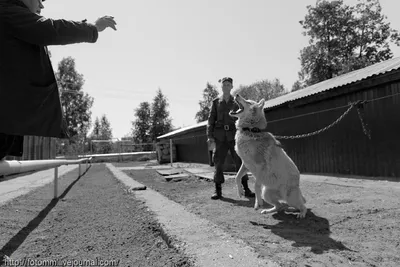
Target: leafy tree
141, 125
344, 38
151, 121
372, 36
160, 120
209, 93
96, 132
101, 131
105, 128
297, 86
329, 25
262, 89
76, 105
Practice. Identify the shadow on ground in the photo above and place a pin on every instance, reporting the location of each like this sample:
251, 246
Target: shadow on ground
312, 231
18, 239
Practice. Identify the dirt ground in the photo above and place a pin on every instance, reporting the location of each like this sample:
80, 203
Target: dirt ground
95, 219
346, 225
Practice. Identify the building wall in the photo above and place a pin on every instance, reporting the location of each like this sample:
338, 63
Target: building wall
344, 149
192, 146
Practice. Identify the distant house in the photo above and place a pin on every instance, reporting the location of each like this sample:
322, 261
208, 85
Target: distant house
342, 149
190, 143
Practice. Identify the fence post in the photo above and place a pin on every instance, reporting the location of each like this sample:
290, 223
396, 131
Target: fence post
80, 170
154, 149
55, 182
170, 151
119, 151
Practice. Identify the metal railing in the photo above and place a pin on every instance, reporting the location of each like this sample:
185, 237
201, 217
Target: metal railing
119, 156
24, 166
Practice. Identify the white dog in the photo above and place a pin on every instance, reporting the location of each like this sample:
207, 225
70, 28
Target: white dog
277, 177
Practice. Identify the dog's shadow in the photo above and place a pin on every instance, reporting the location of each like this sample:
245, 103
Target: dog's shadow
312, 231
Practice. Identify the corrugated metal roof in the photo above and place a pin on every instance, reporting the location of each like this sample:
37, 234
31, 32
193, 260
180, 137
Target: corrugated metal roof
345, 79
184, 129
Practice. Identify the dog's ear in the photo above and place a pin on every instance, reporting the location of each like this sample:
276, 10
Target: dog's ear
261, 103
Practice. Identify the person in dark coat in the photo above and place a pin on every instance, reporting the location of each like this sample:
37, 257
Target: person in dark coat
221, 129
29, 98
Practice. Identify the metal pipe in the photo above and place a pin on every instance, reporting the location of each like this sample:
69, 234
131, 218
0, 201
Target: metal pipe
110, 154
170, 151
15, 166
114, 154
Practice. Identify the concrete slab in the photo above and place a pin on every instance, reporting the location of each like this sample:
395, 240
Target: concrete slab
198, 170
16, 187
167, 172
199, 238
177, 177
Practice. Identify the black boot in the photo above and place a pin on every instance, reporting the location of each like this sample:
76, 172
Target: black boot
218, 192
247, 191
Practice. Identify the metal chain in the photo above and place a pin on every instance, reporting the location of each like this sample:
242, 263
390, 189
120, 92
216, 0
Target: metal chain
361, 113
321, 130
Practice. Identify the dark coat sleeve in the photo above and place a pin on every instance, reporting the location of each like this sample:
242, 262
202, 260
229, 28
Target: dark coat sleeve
212, 118
35, 29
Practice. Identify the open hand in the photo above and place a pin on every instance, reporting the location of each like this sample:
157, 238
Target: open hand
105, 22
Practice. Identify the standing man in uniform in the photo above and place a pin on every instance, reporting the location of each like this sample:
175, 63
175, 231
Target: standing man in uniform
221, 129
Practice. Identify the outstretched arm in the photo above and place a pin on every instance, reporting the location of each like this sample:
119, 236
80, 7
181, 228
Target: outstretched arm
35, 29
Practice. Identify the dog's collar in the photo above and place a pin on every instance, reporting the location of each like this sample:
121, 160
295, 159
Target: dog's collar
254, 130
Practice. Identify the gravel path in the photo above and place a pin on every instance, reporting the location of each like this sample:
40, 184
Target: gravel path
94, 221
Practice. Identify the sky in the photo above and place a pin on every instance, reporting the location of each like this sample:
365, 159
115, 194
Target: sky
180, 45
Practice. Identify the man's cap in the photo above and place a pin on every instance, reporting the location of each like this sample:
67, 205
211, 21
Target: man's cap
226, 79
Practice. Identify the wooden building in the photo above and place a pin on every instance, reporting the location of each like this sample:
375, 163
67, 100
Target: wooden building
345, 148
190, 143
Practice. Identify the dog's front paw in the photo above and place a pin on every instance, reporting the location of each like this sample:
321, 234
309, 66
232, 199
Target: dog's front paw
256, 206
302, 214
240, 192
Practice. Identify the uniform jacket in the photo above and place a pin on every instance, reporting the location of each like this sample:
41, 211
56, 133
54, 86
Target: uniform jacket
29, 97
221, 126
